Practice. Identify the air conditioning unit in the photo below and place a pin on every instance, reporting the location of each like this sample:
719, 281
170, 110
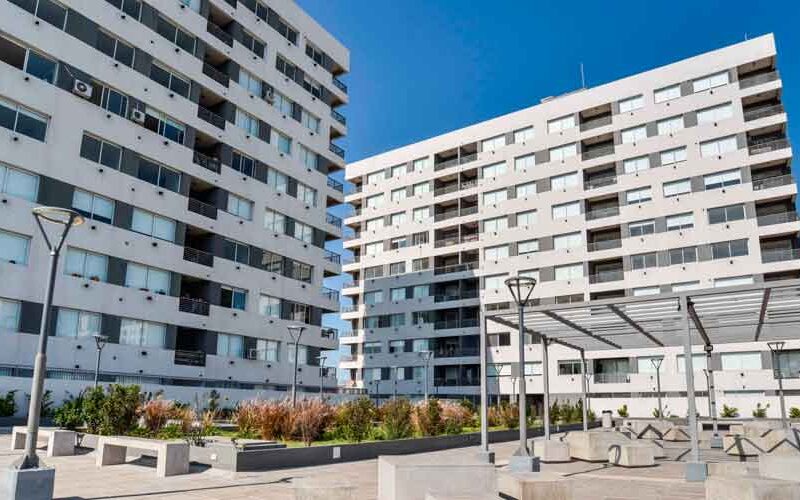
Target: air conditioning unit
269, 94
82, 89
137, 115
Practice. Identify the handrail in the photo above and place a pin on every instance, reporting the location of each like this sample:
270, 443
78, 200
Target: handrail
333, 220
762, 112
451, 188
594, 246
216, 75
193, 306
771, 182
336, 185
779, 218
210, 117
597, 152
189, 358
606, 276
339, 84
202, 208
779, 254
596, 122
766, 147
338, 151
611, 378
599, 182
333, 257
338, 117
455, 268
602, 212
758, 79
221, 34
330, 293
198, 256
207, 162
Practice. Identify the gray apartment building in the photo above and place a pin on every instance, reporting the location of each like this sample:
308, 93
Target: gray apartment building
196, 137
673, 179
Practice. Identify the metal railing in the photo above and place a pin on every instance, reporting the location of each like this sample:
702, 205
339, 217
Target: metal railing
346, 308
190, 358
455, 161
333, 220
771, 182
751, 81
207, 162
446, 189
611, 378
597, 152
602, 212
449, 324
333, 257
780, 218
446, 242
463, 295
762, 112
355, 188
193, 306
221, 34
338, 151
210, 117
202, 208
455, 382
335, 185
766, 147
198, 256
339, 84
595, 122
330, 293
349, 358
595, 246
469, 184
216, 75
348, 333
338, 117
456, 268
606, 276
778, 255
600, 182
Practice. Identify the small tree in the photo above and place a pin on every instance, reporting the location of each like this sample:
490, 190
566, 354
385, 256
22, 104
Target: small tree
729, 411
93, 402
70, 414
555, 412
8, 404
622, 411
155, 413
396, 419
508, 415
760, 411
119, 409
354, 419
454, 417
427, 418
311, 417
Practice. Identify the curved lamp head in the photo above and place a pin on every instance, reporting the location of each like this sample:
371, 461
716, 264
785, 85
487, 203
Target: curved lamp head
656, 362
57, 215
100, 340
776, 346
426, 355
295, 331
521, 288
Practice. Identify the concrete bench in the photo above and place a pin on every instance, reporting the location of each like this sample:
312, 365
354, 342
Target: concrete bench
535, 486
750, 488
592, 446
772, 441
60, 442
551, 451
316, 489
631, 455
732, 469
412, 477
779, 467
172, 456
444, 496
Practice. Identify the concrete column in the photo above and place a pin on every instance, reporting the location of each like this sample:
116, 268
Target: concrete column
584, 390
484, 453
695, 470
545, 390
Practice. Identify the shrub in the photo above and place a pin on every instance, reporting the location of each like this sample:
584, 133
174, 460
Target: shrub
47, 404
212, 403
275, 420
207, 425
119, 409
591, 416
454, 417
622, 411
70, 414
311, 418
427, 418
354, 419
729, 411
185, 416
247, 419
794, 412
8, 404
468, 405
555, 412
508, 415
396, 419
93, 401
760, 411
170, 431
155, 414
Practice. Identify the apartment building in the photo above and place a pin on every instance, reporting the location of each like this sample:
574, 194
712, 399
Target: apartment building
196, 137
673, 179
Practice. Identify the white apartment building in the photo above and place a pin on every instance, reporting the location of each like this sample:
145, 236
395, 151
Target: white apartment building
673, 179
196, 138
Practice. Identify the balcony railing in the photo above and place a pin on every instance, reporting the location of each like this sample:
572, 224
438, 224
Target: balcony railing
456, 352
346, 308
190, 358
216, 75
333, 257
455, 161
780, 218
449, 214
446, 242
762, 112
779, 255
338, 117
336, 150
193, 306
452, 188
612, 378
355, 188
349, 358
455, 382
210, 117
198, 256
595, 122
348, 333
596, 246
752, 81
449, 324
456, 268
463, 295
206, 162
771, 182
599, 182
339, 84
606, 276
218, 32
330, 294
766, 147
335, 185
597, 152
333, 220
202, 208
602, 212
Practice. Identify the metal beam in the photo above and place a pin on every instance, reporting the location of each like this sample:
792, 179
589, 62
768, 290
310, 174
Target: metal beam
552, 315
697, 323
634, 324
763, 313
534, 333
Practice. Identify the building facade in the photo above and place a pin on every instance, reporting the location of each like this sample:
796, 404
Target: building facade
673, 179
196, 138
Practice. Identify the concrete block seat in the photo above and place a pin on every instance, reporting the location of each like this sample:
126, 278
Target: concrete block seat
317, 489
762, 441
732, 469
172, 456
750, 488
60, 442
631, 455
647, 429
445, 496
551, 451
780, 467
411, 477
535, 486
592, 446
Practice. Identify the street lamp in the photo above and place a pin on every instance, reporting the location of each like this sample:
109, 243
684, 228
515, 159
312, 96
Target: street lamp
394, 383
777, 348
426, 356
322, 360
656, 362
295, 332
66, 219
521, 288
100, 341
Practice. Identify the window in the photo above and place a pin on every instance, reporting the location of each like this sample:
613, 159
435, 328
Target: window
673, 156
498, 339
729, 213
277, 23
530, 273
398, 243
373, 297
560, 124
271, 262
307, 157
142, 333
310, 121
523, 135
566, 241
375, 248
676, 188
397, 294
523, 162
174, 34
233, 298
526, 190
733, 281
562, 182
419, 238
37, 65
23, 120
723, 179
83, 264
495, 282
526, 219
728, 249
563, 152
235, 251
230, 346
247, 122
303, 232
495, 225
372, 347
421, 164
14, 248
685, 286
420, 264
147, 278
397, 171
275, 221
167, 78
240, 207
374, 224
420, 291
306, 194
397, 219
644, 260
269, 306
399, 194
631, 104
267, 350
396, 268
159, 175
398, 346
640, 195
282, 103
18, 183
153, 225
718, 147
711, 81
680, 256
278, 180
163, 125
375, 201
77, 324
47, 10
565, 210
495, 197
496, 253
494, 170
634, 165
646, 290
494, 143
569, 272
375, 177
645, 364
100, 151
680, 221
421, 188
741, 361
528, 246
9, 315
299, 271
715, 113
631, 135
667, 93
252, 84
642, 227
569, 367
670, 125
397, 320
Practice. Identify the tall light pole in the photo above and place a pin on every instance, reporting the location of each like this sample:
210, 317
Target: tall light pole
426, 357
656, 362
66, 219
322, 360
776, 348
100, 341
295, 332
521, 288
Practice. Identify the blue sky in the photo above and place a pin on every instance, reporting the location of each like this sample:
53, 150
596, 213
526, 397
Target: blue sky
420, 68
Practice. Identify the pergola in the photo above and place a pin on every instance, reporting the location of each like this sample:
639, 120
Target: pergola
767, 311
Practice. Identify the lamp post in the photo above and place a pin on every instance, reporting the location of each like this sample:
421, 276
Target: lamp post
776, 348
426, 357
394, 382
100, 341
295, 332
322, 360
66, 219
521, 288
656, 362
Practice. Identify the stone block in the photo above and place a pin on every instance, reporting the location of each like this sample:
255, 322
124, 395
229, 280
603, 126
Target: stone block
736, 429
740, 446
29, 484
411, 477
607, 420
593, 446
730, 469
779, 467
60, 442
444, 496
316, 489
631, 455
750, 488
535, 486
172, 456
550, 451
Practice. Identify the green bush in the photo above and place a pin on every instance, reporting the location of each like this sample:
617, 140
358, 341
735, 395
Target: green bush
47, 409
622, 411
427, 418
555, 412
729, 411
760, 411
396, 419
170, 431
354, 419
70, 414
93, 402
591, 416
8, 404
119, 409
794, 412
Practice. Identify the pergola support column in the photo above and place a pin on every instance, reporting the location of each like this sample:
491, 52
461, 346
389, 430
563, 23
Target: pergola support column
695, 469
545, 390
484, 455
583, 392
716, 439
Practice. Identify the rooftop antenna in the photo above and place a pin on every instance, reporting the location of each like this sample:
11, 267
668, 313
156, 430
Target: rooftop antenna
583, 78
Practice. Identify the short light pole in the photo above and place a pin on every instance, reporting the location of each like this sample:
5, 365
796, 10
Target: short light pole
66, 219
394, 382
716, 439
521, 288
100, 341
295, 332
426, 357
776, 348
322, 360
656, 362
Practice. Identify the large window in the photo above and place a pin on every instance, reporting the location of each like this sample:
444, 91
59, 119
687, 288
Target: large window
233, 298
421, 188
421, 164
375, 201
165, 126
114, 101
275, 221
635, 165
174, 34
167, 78
561, 153
676, 188
142, 333
100, 151
494, 170
18, 183
278, 180
395, 294
376, 297
730, 213
398, 195
565, 181
252, 43
710, 81
46, 10
733, 281
523, 135
147, 278
496, 282
496, 253
644, 260
680, 256
640, 195
698, 362
569, 367
560, 124
247, 122
565, 210
230, 346
28, 60
115, 48
269, 306
569, 272
723, 179
495, 197
267, 350
728, 249
83, 264
715, 113
494, 143
667, 93
240, 207
670, 125
495, 225
741, 361
526, 219
14, 248
523, 162
9, 315
567, 241
159, 175
631, 104
77, 324
673, 156
527, 246
308, 158
680, 221
282, 103
283, 142
244, 164
235, 251
642, 227
718, 147
153, 225
631, 135
23, 120
254, 85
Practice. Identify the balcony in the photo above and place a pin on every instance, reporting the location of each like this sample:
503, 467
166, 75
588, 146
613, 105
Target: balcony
455, 161
216, 75
449, 324
206, 162
454, 240
190, 358
333, 220
595, 122
335, 185
762, 112
771, 182
456, 352
456, 268
462, 295
193, 306
599, 182
339, 84
751, 81
198, 256
606, 276
202, 208
612, 378
601, 213
338, 117
338, 151
780, 218
333, 257
330, 294
210, 117
597, 152
779, 255
768, 147
452, 188
596, 246
349, 358
219, 33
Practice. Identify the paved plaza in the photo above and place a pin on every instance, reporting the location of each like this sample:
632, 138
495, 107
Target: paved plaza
77, 478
